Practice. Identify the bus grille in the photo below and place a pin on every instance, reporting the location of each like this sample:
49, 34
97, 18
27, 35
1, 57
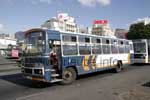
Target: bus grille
28, 71
139, 56
29, 65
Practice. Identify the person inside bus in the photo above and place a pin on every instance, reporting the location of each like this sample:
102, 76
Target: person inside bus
53, 57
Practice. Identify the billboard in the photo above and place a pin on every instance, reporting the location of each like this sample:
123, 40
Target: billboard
100, 22
15, 53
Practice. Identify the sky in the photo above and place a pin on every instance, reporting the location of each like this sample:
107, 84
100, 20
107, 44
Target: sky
20, 15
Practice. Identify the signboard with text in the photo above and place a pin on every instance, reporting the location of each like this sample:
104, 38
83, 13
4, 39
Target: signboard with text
14, 53
100, 22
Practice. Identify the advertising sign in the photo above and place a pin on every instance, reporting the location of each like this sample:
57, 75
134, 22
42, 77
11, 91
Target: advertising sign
14, 53
100, 22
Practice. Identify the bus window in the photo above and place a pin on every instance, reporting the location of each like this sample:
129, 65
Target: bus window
121, 49
87, 40
54, 45
105, 41
35, 42
84, 39
73, 39
96, 49
121, 46
139, 47
70, 49
127, 43
131, 47
84, 49
114, 49
51, 43
114, 42
121, 43
68, 38
127, 49
106, 49
96, 40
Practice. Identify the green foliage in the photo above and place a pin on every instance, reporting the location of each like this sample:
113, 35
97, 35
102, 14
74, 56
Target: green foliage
139, 31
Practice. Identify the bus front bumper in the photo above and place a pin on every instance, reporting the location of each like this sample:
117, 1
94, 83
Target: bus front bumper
33, 73
139, 60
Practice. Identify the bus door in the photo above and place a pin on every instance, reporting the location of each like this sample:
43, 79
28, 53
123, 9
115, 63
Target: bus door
148, 45
55, 54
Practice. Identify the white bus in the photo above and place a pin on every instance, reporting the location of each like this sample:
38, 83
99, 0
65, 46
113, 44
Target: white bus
141, 50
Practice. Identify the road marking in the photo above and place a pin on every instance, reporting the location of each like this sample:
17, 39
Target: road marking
28, 96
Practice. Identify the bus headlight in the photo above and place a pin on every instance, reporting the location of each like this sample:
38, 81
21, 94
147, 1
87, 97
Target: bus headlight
38, 71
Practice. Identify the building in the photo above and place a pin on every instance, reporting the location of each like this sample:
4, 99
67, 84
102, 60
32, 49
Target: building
5, 41
62, 22
102, 28
144, 20
121, 33
85, 30
3, 35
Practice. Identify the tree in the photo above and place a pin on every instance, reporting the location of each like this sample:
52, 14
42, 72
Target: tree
139, 31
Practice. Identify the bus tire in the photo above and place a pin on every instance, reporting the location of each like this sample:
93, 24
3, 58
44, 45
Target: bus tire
69, 75
118, 67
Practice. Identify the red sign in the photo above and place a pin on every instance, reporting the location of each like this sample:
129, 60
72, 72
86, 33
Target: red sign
14, 53
100, 22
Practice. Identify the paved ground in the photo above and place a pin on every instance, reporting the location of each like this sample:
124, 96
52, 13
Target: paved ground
3, 61
126, 85
7, 64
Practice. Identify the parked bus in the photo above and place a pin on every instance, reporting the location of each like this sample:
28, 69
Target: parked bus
12, 51
131, 52
53, 56
141, 50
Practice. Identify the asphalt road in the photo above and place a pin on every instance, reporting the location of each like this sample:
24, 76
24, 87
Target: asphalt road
126, 85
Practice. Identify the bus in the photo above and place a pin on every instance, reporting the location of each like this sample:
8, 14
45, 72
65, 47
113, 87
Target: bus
54, 56
141, 50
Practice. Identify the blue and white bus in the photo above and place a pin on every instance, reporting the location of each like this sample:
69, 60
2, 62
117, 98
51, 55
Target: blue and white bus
53, 56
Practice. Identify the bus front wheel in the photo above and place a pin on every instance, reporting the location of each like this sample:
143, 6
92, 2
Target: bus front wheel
69, 75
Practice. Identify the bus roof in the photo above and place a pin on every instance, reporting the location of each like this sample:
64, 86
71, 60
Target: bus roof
55, 33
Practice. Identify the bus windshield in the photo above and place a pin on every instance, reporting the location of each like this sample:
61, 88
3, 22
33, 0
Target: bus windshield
139, 47
35, 42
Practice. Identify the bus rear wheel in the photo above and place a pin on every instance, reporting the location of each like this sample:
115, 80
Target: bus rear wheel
118, 67
69, 76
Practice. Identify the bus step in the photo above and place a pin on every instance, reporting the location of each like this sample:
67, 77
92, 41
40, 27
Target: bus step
56, 80
54, 75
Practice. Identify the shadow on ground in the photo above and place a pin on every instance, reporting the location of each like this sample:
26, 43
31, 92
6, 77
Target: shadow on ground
18, 79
